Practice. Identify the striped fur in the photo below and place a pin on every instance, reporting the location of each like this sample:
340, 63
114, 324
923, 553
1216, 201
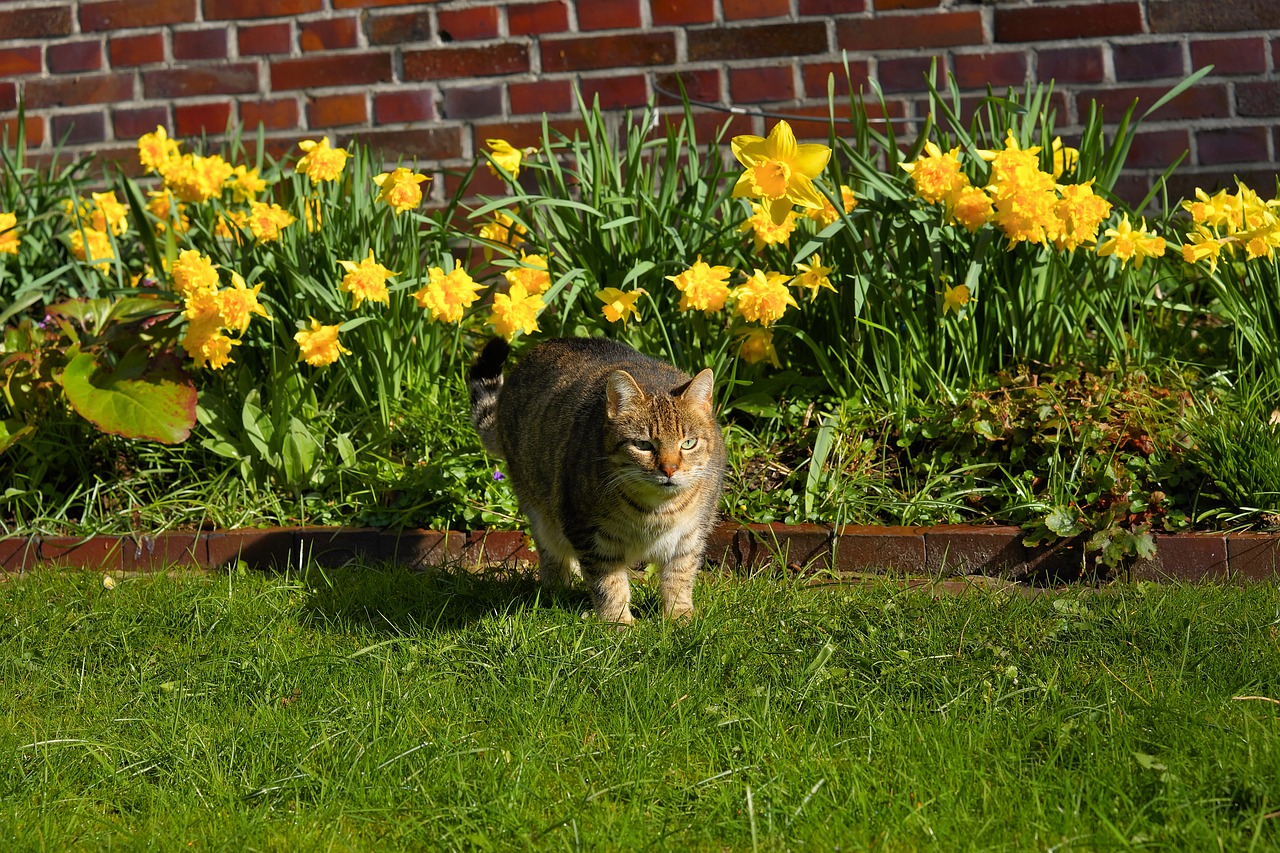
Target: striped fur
615, 457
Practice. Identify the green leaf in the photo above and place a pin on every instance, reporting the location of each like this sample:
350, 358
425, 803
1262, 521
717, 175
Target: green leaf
1063, 521
298, 452
141, 397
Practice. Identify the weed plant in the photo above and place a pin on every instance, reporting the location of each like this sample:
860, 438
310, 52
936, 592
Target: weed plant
374, 708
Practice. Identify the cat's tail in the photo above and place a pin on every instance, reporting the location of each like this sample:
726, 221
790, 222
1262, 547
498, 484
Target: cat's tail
485, 384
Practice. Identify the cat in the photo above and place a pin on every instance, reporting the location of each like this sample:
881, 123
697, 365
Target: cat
615, 457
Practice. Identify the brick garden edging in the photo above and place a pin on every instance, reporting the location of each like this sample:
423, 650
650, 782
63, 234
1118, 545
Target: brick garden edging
943, 551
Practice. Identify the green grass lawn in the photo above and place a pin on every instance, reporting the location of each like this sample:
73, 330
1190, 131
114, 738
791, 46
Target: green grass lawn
374, 709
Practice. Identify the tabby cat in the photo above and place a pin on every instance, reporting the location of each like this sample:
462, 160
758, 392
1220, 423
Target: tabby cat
615, 457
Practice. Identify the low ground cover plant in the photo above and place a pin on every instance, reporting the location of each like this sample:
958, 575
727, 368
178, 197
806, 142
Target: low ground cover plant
969, 326
372, 707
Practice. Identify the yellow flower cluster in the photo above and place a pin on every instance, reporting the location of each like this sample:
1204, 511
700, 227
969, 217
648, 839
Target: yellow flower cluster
448, 295
366, 280
320, 162
9, 236
780, 171
212, 312
318, 344
1231, 221
400, 189
1025, 202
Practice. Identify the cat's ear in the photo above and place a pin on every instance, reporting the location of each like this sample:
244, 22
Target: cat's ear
699, 390
621, 393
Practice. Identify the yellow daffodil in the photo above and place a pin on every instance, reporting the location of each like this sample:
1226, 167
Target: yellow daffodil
195, 179
8, 233
168, 210
109, 214
1081, 213
313, 210
765, 231
1064, 158
531, 274
756, 345
506, 156
619, 304
828, 213
503, 230
320, 162
702, 287
936, 175
400, 189
366, 280
779, 170
813, 277
266, 220
318, 345
515, 311
1202, 244
206, 343
1125, 243
245, 184
970, 207
763, 298
238, 303
192, 273
156, 149
955, 298
448, 295
93, 247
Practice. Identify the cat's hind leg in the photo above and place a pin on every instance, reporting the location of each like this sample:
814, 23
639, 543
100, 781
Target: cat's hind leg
557, 565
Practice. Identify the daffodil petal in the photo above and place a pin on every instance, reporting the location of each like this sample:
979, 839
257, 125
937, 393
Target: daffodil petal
810, 159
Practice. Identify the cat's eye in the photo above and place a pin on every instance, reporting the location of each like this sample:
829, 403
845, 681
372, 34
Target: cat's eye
689, 444
646, 446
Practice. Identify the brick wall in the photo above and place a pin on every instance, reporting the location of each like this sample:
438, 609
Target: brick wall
430, 81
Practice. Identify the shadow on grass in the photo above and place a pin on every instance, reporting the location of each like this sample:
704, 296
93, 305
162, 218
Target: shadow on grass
395, 599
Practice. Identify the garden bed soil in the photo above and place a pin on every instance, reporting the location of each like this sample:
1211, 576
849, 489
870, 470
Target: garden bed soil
852, 551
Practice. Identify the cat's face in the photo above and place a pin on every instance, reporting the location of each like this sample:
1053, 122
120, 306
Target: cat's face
663, 444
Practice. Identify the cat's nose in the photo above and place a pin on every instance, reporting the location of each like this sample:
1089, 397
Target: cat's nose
668, 469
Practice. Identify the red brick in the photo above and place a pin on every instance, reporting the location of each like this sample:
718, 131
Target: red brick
1199, 102
740, 10
800, 39
1070, 65
815, 76
1230, 56
902, 32
354, 69
274, 114
405, 105
471, 102
337, 110
608, 14
229, 79
366, 4
757, 85
908, 74
700, 85
541, 96
833, 7
328, 34
1258, 98
263, 39
425, 144
621, 51
819, 127
1252, 556
132, 123
101, 553
127, 14
628, 90
422, 549
401, 28
74, 56
1156, 149
79, 128
234, 10
200, 44
523, 133
891, 5
1148, 61
1190, 16
8, 96
42, 22
716, 125
530, 19
1231, 145
998, 68
32, 127
447, 62
15, 61
126, 51
1090, 20
480, 22
197, 119
667, 13
79, 90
